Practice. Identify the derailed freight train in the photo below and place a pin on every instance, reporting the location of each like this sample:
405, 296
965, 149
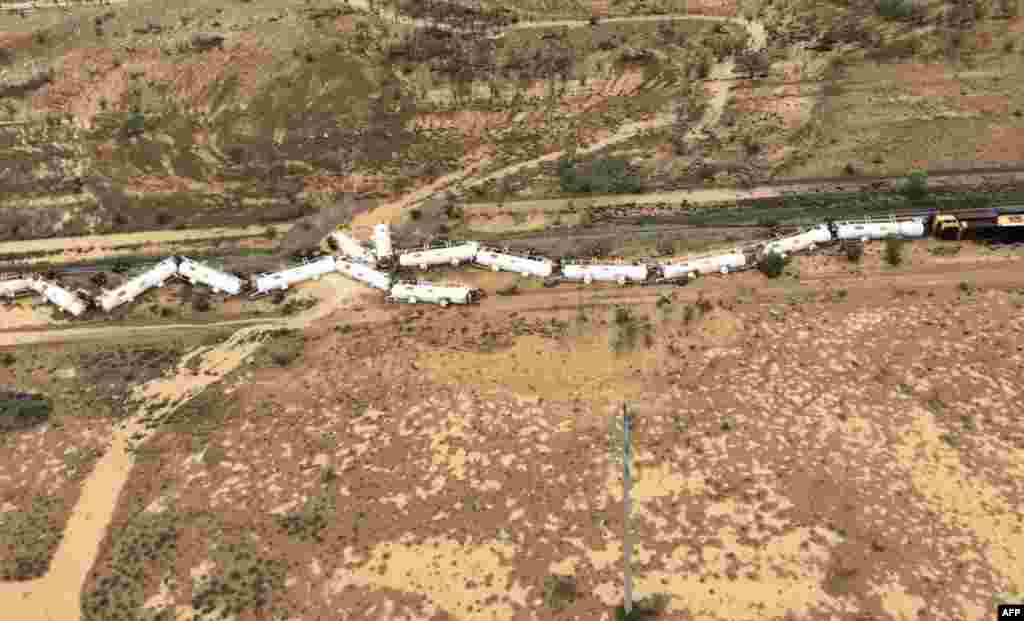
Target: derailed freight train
375, 264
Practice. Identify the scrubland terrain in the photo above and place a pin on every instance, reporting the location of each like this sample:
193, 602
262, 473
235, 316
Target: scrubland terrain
840, 442
149, 115
371, 460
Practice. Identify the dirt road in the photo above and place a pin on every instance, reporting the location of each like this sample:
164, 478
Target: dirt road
72, 244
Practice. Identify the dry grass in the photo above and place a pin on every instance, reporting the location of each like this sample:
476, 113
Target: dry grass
514, 479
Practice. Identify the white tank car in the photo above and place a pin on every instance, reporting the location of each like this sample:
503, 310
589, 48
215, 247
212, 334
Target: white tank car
61, 297
880, 230
351, 248
151, 278
443, 255
442, 294
808, 240
14, 286
614, 272
527, 266
721, 263
382, 242
314, 270
364, 273
215, 279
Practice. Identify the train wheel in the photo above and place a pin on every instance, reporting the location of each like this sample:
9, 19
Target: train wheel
443, 302
423, 266
724, 270
413, 300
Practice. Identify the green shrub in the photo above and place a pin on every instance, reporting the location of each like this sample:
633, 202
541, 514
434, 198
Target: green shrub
651, 607
894, 251
559, 591
916, 185
895, 9
22, 413
135, 124
603, 176
854, 251
772, 265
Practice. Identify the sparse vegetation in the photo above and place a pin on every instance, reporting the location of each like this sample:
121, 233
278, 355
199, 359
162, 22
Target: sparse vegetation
894, 251
651, 607
916, 186
603, 176
854, 251
772, 264
559, 591
895, 9
21, 411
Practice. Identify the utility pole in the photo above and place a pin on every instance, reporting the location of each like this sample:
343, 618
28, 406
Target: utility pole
627, 490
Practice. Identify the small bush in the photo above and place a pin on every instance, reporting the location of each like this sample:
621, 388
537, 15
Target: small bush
22, 411
608, 175
772, 265
854, 251
895, 9
135, 124
559, 591
200, 303
894, 251
648, 608
916, 185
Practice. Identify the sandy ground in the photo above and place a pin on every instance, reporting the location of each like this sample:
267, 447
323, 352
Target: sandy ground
822, 484
96, 246
794, 543
57, 595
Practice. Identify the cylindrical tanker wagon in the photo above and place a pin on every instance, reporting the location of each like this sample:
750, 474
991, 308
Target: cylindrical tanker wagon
382, 244
220, 282
314, 270
453, 254
150, 279
808, 240
598, 272
865, 231
351, 248
364, 274
722, 263
441, 294
527, 266
11, 288
61, 297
